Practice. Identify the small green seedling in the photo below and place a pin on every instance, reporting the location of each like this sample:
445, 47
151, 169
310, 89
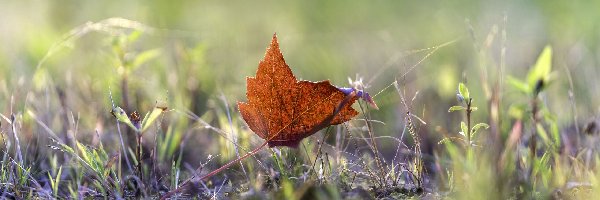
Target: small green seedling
543, 123
55, 181
538, 78
133, 120
467, 132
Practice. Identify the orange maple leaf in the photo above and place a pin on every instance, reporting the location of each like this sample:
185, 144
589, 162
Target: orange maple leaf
283, 110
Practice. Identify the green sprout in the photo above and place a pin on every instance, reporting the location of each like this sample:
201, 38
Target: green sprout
467, 132
132, 120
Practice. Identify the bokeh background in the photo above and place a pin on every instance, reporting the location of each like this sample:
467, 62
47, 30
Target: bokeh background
205, 49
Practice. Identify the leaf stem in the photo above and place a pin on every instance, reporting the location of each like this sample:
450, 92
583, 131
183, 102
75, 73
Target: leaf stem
187, 182
469, 110
139, 157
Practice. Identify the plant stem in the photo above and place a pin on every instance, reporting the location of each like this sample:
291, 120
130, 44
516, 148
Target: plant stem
139, 156
469, 110
533, 139
234, 161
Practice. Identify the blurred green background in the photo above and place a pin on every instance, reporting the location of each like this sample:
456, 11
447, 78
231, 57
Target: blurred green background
207, 48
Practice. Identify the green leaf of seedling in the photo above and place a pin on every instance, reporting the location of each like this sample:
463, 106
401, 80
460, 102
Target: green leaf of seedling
144, 57
456, 108
51, 180
118, 45
120, 114
149, 118
518, 84
97, 160
134, 36
451, 139
473, 108
58, 175
55, 181
477, 127
463, 128
83, 152
63, 147
23, 175
542, 133
541, 69
464, 91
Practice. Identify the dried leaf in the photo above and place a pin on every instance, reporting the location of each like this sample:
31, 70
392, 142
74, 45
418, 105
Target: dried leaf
283, 110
